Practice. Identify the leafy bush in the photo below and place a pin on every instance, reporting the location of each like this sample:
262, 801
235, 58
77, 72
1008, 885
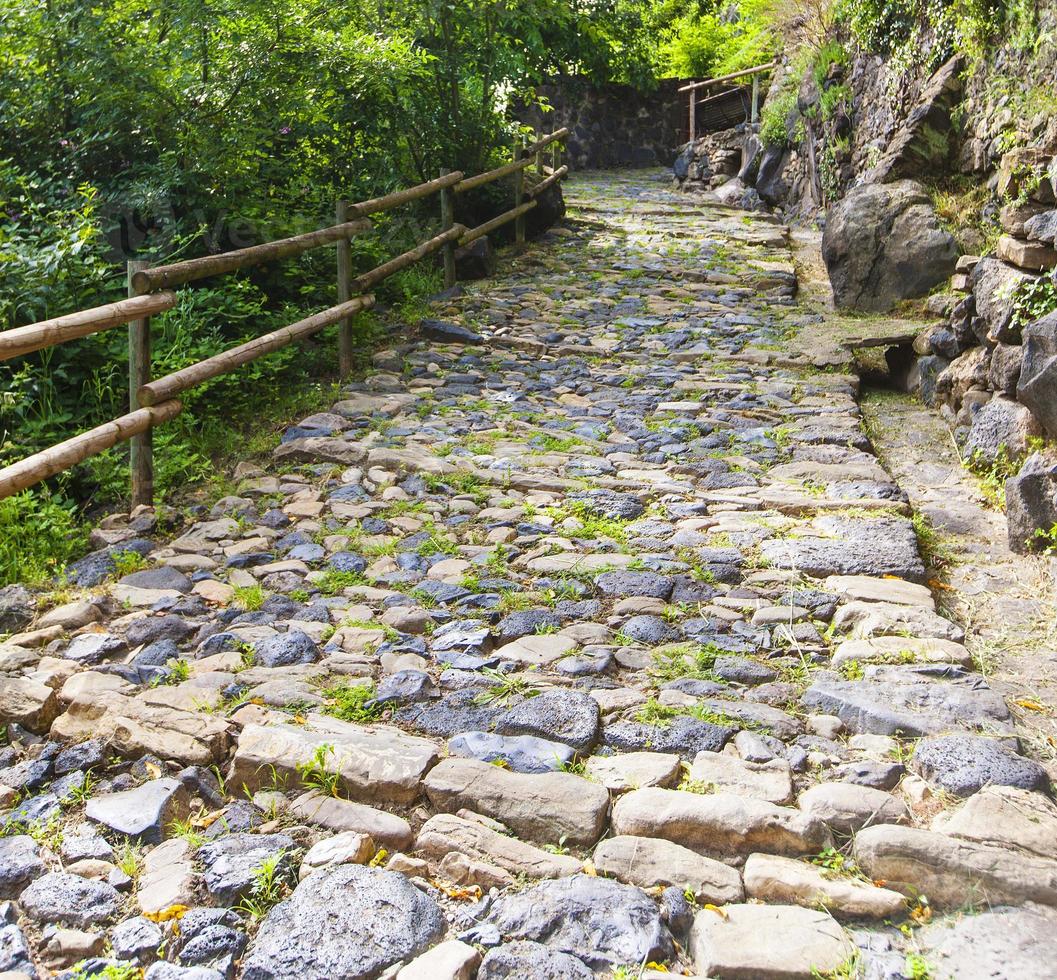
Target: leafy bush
774, 120
718, 41
1033, 299
38, 535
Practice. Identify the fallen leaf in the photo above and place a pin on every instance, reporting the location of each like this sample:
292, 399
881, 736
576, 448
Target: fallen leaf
716, 909
589, 868
1030, 703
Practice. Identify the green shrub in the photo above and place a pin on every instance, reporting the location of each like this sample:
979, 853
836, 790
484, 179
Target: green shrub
39, 533
774, 120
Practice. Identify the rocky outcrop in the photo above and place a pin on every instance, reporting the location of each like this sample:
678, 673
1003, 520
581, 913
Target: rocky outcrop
884, 244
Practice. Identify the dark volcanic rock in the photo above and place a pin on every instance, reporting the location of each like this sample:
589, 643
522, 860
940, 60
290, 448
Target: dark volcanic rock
964, 764
598, 920
20, 863
852, 546
883, 243
558, 716
293, 647
1031, 502
684, 735
70, 899
231, 862
344, 923
521, 960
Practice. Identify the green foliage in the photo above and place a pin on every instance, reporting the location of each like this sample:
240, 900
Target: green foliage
39, 533
1033, 299
774, 120
353, 703
718, 39
112, 971
268, 888
315, 773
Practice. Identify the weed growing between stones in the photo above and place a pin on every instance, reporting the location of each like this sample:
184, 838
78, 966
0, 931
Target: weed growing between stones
688, 660
353, 703
315, 774
268, 889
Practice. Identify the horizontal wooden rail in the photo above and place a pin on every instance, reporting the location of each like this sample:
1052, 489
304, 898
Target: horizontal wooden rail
215, 265
486, 178
497, 222
50, 462
397, 198
48, 333
161, 389
558, 134
539, 188
370, 279
744, 73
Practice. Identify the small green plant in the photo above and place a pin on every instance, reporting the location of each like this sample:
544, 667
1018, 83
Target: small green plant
127, 860
112, 971
127, 562
558, 848
848, 970
1033, 299
315, 774
837, 865
82, 793
268, 888
691, 660
353, 702
333, 582
917, 967
851, 670
186, 830
249, 597
505, 688
1045, 540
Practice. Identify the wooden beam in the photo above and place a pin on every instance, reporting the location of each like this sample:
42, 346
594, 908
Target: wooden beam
141, 448
48, 333
486, 178
57, 459
370, 279
497, 222
162, 389
215, 265
544, 184
558, 134
729, 78
344, 273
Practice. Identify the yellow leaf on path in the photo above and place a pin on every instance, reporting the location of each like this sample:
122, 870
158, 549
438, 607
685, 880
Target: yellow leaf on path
1030, 703
167, 914
155, 772
716, 909
589, 868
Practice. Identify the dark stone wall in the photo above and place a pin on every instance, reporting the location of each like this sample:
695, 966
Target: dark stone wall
612, 125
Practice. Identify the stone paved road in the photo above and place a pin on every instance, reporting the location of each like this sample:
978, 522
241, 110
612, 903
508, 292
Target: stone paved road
602, 643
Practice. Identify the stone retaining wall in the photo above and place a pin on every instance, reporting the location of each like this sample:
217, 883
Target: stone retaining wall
612, 125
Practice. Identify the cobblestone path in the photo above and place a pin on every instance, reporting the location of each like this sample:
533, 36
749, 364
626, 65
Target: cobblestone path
597, 646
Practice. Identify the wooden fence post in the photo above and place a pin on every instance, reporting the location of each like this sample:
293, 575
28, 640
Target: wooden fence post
693, 114
341, 213
141, 447
447, 220
755, 98
519, 190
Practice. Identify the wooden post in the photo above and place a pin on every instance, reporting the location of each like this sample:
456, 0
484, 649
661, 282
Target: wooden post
539, 154
141, 446
519, 190
693, 114
447, 220
755, 98
341, 213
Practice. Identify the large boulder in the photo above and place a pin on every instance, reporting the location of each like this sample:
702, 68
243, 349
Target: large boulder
883, 243
1031, 502
1037, 385
1001, 425
994, 284
346, 922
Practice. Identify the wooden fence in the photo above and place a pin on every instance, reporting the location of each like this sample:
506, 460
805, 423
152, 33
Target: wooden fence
153, 401
695, 103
